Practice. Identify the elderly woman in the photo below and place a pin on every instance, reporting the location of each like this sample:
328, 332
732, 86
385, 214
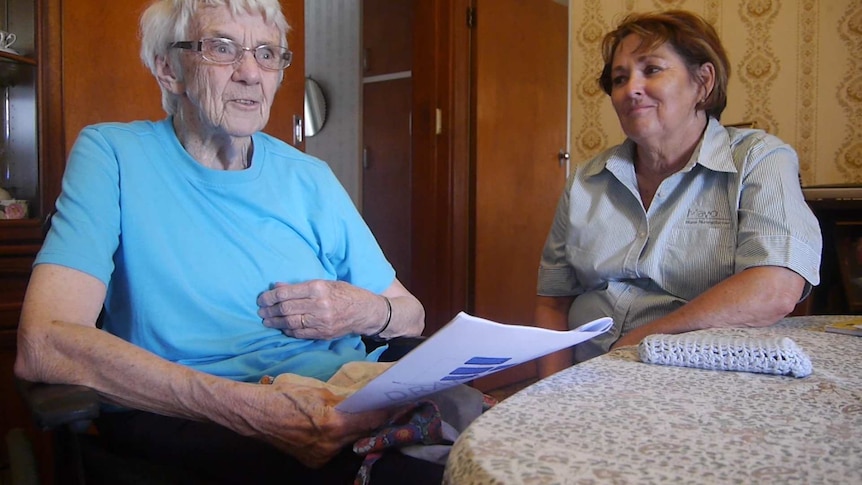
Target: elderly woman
216, 255
685, 225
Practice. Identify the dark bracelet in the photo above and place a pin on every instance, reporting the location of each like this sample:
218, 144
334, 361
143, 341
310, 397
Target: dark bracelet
388, 318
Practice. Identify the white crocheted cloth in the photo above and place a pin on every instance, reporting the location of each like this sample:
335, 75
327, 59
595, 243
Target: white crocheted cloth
766, 355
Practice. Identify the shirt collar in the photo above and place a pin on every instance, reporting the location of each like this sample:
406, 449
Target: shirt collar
715, 148
713, 153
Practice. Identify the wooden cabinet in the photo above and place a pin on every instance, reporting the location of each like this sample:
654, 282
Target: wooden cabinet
78, 62
18, 91
33, 153
839, 210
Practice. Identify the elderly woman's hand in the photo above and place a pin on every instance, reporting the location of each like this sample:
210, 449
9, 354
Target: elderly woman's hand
302, 421
321, 309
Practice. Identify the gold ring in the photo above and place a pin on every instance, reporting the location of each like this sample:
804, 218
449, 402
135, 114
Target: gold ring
302, 320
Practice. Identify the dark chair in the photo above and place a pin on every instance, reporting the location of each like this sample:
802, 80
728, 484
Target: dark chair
68, 411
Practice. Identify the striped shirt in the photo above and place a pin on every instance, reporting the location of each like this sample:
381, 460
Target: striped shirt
737, 204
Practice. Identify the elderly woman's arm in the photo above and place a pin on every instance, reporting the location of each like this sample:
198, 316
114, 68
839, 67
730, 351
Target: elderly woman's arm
58, 342
755, 297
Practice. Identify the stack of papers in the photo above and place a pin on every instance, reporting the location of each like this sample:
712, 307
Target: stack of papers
466, 348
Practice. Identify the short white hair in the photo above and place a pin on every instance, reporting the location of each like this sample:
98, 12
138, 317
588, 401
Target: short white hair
167, 21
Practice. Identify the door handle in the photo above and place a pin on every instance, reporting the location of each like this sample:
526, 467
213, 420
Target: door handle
563, 156
297, 130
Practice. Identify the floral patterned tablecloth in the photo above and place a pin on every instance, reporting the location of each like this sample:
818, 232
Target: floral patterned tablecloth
617, 420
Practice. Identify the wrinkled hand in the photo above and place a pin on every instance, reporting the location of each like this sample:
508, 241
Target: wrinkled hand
321, 309
302, 421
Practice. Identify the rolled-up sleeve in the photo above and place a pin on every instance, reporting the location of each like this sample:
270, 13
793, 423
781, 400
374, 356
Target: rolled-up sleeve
776, 226
556, 276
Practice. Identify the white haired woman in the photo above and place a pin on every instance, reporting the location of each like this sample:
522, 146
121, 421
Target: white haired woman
216, 255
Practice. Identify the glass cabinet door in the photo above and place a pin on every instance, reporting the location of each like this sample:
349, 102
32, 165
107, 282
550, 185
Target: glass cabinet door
19, 157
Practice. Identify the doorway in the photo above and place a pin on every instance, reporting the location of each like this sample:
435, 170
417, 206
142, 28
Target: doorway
485, 85
387, 87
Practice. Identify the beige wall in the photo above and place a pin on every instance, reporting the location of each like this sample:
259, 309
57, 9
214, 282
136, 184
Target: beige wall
332, 49
796, 70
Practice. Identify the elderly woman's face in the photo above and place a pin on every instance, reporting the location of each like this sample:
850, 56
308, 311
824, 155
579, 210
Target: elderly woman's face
653, 93
234, 99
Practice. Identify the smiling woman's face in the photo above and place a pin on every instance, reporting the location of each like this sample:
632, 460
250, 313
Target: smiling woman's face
653, 93
232, 99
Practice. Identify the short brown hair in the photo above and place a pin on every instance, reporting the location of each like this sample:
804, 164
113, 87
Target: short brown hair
690, 36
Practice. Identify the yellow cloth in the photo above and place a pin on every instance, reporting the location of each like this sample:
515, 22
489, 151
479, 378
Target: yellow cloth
349, 378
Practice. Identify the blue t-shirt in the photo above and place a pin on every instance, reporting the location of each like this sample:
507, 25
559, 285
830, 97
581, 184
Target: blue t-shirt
185, 250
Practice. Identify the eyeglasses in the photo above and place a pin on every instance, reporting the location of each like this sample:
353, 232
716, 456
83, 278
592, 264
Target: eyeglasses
226, 51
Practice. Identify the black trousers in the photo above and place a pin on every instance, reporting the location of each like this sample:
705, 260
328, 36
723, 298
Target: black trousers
191, 452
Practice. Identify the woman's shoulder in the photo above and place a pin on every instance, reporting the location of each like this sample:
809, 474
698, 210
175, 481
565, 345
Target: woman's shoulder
738, 144
284, 154
748, 138
139, 128
749, 146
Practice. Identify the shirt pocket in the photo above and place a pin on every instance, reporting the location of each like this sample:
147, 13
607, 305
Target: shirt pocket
696, 259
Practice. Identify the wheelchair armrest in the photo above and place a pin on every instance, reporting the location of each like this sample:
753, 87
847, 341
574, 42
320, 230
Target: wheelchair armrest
408, 343
53, 405
398, 346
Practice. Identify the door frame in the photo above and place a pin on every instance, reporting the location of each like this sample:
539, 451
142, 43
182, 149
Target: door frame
442, 177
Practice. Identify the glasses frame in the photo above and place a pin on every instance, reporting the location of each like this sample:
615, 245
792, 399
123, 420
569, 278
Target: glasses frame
198, 46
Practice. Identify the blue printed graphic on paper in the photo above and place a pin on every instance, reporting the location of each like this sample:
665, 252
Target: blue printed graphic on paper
475, 367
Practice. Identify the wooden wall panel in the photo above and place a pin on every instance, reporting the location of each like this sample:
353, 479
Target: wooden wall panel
103, 77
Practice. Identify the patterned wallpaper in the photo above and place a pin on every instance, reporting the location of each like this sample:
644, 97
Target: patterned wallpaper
796, 71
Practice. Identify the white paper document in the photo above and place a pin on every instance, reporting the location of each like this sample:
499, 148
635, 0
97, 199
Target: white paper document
466, 348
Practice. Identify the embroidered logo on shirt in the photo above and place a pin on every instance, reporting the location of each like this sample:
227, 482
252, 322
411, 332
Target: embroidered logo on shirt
701, 217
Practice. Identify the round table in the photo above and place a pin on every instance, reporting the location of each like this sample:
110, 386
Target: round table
614, 419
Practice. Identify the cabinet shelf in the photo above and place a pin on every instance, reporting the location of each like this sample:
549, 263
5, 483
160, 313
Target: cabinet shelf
10, 72
17, 58
17, 231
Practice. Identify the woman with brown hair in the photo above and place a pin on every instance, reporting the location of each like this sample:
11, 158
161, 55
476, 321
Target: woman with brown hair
687, 224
